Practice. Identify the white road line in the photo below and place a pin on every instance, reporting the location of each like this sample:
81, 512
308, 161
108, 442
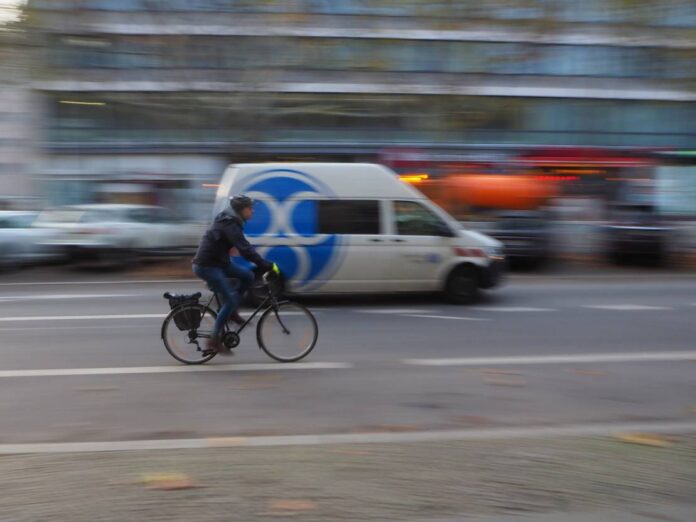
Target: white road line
82, 317
391, 311
125, 282
503, 433
139, 370
46, 297
513, 309
73, 328
447, 317
627, 307
555, 359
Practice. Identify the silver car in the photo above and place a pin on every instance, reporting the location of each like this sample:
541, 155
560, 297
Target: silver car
21, 243
118, 234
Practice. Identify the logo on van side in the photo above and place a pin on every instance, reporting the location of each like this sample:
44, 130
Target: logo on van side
285, 228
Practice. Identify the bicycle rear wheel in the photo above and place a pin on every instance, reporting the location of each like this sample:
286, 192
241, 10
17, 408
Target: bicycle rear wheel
189, 345
288, 332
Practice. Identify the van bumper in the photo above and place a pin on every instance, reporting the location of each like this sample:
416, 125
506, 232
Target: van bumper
493, 274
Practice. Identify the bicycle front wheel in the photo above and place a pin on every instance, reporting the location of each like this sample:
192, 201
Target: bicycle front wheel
288, 332
183, 338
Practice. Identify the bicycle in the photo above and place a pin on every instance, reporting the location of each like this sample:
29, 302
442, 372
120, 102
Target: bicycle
286, 331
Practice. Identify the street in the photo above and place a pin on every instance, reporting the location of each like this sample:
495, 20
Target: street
410, 361
83, 363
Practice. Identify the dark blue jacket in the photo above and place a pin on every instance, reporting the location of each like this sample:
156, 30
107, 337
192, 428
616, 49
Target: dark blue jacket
226, 231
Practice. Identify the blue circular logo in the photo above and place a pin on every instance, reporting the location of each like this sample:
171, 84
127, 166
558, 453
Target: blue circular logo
285, 226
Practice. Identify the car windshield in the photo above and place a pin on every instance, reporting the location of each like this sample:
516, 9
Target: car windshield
59, 215
17, 221
102, 215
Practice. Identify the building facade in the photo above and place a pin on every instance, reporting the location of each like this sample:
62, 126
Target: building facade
20, 124
155, 97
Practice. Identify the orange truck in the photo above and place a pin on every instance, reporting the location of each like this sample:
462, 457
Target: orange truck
460, 194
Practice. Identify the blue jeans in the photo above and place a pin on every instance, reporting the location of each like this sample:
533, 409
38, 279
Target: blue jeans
219, 280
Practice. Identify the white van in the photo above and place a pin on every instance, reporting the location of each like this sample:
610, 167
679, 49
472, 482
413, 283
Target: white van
350, 227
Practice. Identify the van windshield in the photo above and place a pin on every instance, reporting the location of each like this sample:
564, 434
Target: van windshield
414, 219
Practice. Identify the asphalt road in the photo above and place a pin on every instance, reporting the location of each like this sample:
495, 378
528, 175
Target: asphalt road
537, 352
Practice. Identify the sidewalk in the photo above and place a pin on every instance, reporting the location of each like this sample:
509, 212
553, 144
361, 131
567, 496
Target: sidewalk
544, 480
673, 513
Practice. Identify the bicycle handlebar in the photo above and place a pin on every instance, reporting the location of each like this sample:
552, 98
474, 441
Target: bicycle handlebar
273, 272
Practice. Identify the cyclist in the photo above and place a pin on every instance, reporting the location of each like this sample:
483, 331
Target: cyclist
213, 264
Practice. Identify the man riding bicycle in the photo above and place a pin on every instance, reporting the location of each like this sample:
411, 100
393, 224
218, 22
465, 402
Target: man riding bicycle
213, 265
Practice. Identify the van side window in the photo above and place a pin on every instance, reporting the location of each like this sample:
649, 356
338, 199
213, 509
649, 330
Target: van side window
414, 219
348, 216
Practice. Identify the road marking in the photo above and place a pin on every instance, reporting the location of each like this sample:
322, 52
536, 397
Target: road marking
627, 307
73, 328
513, 309
125, 282
139, 370
503, 433
391, 311
40, 297
447, 317
555, 359
82, 317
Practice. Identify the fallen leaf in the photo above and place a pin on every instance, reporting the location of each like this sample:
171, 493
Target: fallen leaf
226, 442
645, 439
168, 481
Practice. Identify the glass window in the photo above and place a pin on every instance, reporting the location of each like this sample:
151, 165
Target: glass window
142, 215
165, 215
348, 217
22, 220
414, 219
100, 216
60, 215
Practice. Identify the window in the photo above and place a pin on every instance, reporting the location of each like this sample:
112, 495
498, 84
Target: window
23, 220
142, 215
413, 219
348, 217
164, 215
101, 216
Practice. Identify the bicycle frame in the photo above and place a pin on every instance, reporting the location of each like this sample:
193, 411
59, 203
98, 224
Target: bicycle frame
270, 301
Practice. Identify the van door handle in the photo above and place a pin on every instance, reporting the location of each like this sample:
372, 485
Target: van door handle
375, 240
398, 240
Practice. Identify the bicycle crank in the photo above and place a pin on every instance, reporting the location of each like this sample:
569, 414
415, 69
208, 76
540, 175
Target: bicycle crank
230, 340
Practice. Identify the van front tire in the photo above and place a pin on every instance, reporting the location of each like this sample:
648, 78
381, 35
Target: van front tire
461, 286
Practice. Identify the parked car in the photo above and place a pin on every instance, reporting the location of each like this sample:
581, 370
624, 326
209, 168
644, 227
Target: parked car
637, 232
20, 242
117, 234
526, 236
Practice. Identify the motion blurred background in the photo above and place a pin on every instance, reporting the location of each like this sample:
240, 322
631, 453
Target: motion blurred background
567, 129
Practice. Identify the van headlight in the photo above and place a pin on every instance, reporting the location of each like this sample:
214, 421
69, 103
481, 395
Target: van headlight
495, 253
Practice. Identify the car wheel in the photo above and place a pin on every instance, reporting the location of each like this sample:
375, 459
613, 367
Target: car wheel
462, 286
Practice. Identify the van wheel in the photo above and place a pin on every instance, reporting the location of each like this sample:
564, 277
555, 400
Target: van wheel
461, 286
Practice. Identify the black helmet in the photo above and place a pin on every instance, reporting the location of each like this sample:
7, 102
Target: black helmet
240, 202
